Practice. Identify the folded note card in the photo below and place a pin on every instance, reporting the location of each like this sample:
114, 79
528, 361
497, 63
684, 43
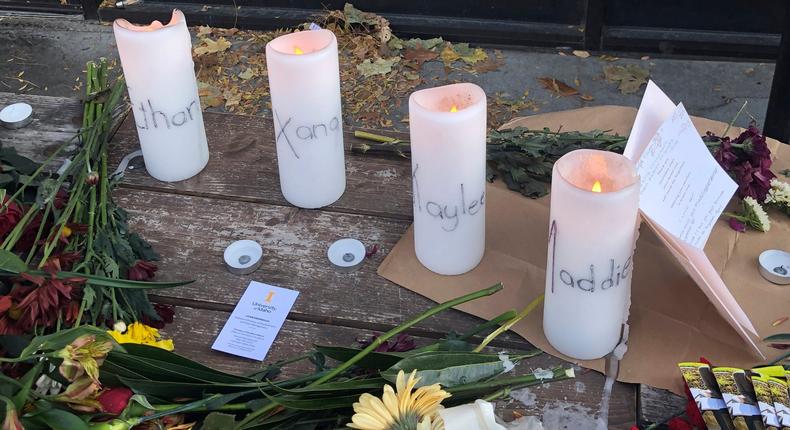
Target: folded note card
683, 193
255, 321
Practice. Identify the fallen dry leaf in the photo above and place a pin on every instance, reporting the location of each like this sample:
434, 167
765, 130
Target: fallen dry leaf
581, 54
608, 58
209, 46
557, 87
379, 67
630, 77
247, 74
210, 96
419, 55
779, 321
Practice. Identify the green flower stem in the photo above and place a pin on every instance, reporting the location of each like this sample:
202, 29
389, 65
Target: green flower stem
506, 316
377, 342
530, 307
38, 234
559, 373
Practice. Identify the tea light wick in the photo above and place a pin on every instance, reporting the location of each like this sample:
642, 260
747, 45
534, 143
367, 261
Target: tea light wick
298, 50
454, 108
596, 188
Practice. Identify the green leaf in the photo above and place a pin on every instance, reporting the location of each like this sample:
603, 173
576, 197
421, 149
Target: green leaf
154, 353
93, 279
179, 390
20, 398
450, 368
374, 360
219, 421
59, 419
22, 164
141, 248
165, 371
334, 388
782, 337
322, 404
10, 262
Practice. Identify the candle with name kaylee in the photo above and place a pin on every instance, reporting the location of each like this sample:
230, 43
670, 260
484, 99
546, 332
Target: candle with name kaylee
592, 234
160, 76
304, 80
448, 159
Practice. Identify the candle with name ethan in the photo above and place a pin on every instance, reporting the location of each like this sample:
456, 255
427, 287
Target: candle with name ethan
592, 234
304, 81
448, 158
160, 77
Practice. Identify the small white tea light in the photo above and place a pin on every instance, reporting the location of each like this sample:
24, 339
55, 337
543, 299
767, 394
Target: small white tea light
775, 266
16, 115
243, 257
346, 255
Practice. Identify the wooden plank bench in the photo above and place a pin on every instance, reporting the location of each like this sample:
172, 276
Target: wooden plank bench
238, 196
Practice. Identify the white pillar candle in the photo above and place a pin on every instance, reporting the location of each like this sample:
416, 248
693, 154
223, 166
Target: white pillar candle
304, 81
471, 416
448, 159
160, 76
592, 233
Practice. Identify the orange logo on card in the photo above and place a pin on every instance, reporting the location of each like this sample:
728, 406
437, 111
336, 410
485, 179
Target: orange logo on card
269, 297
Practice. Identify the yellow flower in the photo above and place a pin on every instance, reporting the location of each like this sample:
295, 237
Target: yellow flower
401, 410
142, 334
82, 356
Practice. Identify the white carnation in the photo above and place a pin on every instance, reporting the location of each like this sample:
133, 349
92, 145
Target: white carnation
755, 214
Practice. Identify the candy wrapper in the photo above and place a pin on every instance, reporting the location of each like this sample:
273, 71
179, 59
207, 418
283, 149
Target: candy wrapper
702, 384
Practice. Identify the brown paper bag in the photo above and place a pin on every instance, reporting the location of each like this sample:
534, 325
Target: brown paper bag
671, 319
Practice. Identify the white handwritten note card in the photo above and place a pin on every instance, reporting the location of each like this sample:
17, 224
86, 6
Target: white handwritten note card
256, 320
683, 188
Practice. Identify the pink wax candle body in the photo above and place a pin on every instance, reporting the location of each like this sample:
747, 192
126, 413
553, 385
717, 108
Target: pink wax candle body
592, 233
304, 81
160, 77
448, 155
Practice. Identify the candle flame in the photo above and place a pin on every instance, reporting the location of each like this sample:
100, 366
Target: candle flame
298, 50
454, 108
596, 188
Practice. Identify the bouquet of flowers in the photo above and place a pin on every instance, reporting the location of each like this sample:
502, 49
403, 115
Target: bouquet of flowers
387, 384
67, 256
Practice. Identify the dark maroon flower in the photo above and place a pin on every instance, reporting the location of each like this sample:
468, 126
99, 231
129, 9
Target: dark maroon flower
737, 225
371, 250
754, 180
114, 400
165, 314
141, 271
10, 216
754, 145
679, 423
61, 199
401, 343
726, 155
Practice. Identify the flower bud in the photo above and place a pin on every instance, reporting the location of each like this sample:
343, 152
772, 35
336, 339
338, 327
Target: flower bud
119, 326
92, 179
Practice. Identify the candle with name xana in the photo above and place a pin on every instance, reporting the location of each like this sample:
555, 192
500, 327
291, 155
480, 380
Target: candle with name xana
304, 81
592, 234
160, 76
448, 159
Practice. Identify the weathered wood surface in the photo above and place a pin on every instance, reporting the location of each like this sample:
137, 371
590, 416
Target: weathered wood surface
238, 196
55, 121
243, 166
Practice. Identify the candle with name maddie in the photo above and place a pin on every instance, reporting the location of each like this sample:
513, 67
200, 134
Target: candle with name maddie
304, 80
160, 75
448, 159
592, 234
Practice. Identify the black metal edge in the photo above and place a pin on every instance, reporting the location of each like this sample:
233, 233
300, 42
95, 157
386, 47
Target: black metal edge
777, 116
260, 18
23, 6
673, 41
594, 16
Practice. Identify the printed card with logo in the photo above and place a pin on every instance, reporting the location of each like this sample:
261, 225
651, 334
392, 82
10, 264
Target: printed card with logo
256, 320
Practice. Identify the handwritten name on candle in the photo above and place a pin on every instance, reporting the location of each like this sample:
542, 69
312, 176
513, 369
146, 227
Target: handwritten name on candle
154, 118
304, 132
587, 281
449, 213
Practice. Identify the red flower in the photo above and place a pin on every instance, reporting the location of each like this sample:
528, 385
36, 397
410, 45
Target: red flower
725, 155
678, 423
141, 271
401, 343
10, 216
754, 180
165, 314
38, 301
114, 400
